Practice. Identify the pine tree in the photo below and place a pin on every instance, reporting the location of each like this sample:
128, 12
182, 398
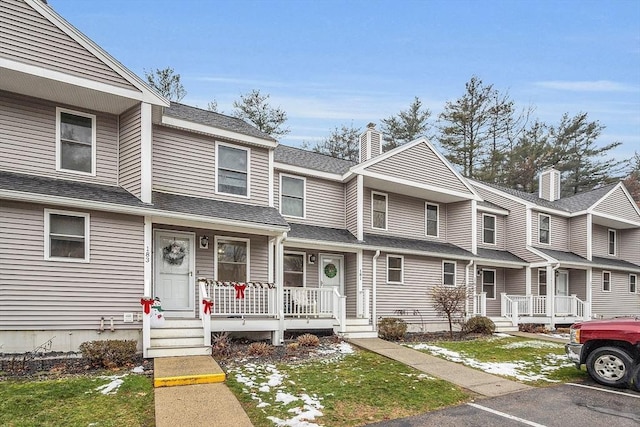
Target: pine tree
167, 83
406, 126
342, 143
254, 107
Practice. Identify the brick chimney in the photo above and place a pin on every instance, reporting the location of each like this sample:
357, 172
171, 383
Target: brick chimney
370, 143
549, 185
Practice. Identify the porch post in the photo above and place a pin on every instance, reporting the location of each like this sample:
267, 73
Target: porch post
147, 287
359, 297
527, 283
589, 294
277, 337
551, 291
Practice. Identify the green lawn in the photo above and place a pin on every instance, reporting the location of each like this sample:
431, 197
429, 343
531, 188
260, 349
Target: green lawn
76, 402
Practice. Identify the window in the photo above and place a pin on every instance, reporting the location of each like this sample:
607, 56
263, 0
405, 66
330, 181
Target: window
232, 259
606, 281
544, 228
612, 242
379, 208
75, 141
232, 165
489, 283
395, 266
449, 273
292, 192
489, 229
431, 218
633, 283
542, 281
294, 269
66, 236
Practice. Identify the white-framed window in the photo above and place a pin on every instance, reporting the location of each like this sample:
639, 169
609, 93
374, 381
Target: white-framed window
489, 229
395, 269
432, 219
294, 269
231, 259
292, 195
449, 273
544, 229
611, 242
66, 236
606, 281
633, 283
542, 281
232, 169
489, 283
379, 210
75, 141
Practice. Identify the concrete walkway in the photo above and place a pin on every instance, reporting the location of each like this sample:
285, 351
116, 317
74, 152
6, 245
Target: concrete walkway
471, 379
542, 337
190, 392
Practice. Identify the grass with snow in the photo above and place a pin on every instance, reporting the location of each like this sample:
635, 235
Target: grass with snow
104, 401
351, 389
534, 362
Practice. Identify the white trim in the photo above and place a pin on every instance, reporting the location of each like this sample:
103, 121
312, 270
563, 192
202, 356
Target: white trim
495, 226
401, 282
615, 242
610, 281
47, 237
437, 205
635, 283
614, 218
304, 195
304, 266
94, 143
271, 178
540, 215
223, 238
309, 172
146, 153
341, 270
360, 207
215, 131
148, 256
386, 210
545, 280
529, 226
217, 163
474, 227
610, 192
495, 211
495, 280
455, 271
589, 237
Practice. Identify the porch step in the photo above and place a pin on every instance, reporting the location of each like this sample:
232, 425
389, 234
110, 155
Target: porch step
171, 351
361, 334
352, 321
178, 337
503, 325
176, 332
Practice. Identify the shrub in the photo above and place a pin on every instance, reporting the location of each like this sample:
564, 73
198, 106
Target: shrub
220, 344
308, 340
392, 328
259, 349
293, 347
479, 325
533, 328
109, 353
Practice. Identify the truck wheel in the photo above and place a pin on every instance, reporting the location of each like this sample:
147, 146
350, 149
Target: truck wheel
635, 379
610, 366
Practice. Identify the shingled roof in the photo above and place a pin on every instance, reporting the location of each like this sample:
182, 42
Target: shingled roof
308, 159
313, 232
376, 240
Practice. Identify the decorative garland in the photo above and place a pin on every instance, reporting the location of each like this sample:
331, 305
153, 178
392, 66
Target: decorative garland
174, 253
260, 285
330, 270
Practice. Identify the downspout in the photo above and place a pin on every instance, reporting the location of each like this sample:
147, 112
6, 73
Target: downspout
466, 284
374, 295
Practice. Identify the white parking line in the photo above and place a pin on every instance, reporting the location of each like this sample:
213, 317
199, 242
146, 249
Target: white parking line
605, 390
502, 414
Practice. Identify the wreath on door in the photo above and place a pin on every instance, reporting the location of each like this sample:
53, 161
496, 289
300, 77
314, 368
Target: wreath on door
330, 270
174, 253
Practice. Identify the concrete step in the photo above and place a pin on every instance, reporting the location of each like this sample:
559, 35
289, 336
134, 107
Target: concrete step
177, 332
181, 323
352, 321
369, 334
172, 351
188, 370
177, 341
359, 328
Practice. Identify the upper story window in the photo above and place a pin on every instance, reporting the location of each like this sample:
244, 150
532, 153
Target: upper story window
449, 273
612, 242
75, 141
633, 283
395, 269
431, 219
542, 281
606, 281
544, 229
489, 283
379, 209
489, 229
232, 170
66, 236
232, 259
294, 263
292, 192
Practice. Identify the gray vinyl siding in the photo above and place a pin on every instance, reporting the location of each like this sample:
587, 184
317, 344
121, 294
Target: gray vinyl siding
578, 235
619, 301
130, 152
39, 294
545, 186
458, 224
324, 202
30, 38
600, 240
500, 232
351, 202
503, 285
184, 163
617, 204
629, 245
558, 232
421, 165
578, 283
28, 132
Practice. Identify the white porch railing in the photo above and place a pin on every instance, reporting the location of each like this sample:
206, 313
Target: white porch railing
480, 304
536, 305
510, 308
244, 301
205, 308
311, 302
363, 304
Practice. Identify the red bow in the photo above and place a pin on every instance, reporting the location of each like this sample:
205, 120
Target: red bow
239, 290
207, 306
146, 304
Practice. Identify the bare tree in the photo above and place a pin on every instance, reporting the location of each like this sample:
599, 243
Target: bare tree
254, 107
450, 301
342, 143
167, 83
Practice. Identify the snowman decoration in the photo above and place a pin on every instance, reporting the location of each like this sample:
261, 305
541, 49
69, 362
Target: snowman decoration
157, 318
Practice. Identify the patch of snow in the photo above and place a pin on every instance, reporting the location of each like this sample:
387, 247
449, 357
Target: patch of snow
532, 344
501, 335
285, 398
561, 336
345, 348
138, 370
113, 386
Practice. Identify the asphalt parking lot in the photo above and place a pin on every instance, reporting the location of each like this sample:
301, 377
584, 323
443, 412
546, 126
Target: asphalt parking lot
583, 405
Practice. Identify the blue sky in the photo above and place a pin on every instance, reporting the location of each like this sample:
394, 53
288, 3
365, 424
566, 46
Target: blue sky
328, 63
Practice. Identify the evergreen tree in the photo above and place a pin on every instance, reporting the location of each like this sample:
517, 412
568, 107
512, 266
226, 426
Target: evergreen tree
530, 155
254, 107
632, 181
342, 143
406, 126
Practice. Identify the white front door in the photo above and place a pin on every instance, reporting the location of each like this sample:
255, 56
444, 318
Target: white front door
174, 281
563, 303
332, 272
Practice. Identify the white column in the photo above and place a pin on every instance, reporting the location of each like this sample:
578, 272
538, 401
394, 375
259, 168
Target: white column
551, 291
148, 280
360, 207
589, 294
527, 283
359, 297
146, 143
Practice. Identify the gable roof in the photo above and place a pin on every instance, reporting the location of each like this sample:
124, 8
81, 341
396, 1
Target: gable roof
599, 262
401, 243
316, 233
310, 160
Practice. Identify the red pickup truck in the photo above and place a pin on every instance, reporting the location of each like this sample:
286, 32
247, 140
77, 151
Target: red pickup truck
610, 349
